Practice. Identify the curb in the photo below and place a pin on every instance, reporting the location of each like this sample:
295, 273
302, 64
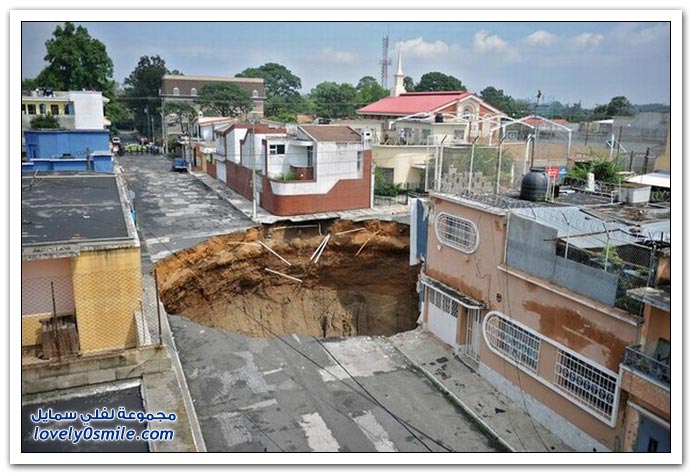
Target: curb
482, 425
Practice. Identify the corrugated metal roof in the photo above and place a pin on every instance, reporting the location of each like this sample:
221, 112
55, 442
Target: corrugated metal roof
588, 231
658, 179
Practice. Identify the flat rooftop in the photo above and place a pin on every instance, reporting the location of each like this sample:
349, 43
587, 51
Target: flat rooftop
71, 208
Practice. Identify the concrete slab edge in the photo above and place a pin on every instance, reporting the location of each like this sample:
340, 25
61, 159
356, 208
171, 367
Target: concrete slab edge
195, 427
482, 425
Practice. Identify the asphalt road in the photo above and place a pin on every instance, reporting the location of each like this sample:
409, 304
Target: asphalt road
257, 395
174, 210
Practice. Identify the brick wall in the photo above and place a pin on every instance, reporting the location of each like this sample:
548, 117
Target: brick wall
346, 195
239, 179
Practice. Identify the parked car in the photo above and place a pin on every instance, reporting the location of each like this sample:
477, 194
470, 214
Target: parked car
179, 164
115, 140
134, 148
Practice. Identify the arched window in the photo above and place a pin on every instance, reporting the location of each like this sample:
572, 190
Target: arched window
193, 91
255, 94
176, 91
460, 234
509, 340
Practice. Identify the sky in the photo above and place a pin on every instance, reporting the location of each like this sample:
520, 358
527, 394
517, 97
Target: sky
589, 62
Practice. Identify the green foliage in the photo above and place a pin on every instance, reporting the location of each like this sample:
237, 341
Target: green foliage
281, 86
437, 81
29, 84
120, 115
225, 99
141, 89
184, 112
44, 122
604, 170
382, 187
620, 105
76, 61
334, 100
369, 91
409, 85
284, 116
287, 176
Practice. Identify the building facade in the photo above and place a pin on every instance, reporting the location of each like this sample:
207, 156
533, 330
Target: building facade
73, 109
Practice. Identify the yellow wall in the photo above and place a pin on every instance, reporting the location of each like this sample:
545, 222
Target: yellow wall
401, 158
107, 291
61, 105
663, 162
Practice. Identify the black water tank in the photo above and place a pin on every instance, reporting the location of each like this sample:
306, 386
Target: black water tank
534, 186
439, 118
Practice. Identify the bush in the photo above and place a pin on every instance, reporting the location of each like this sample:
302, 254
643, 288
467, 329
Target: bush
44, 121
604, 170
287, 176
382, 187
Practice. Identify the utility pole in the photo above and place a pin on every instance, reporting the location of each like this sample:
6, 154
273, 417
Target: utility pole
499, 163
254, 175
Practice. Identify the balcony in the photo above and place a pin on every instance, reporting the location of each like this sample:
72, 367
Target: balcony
647, 365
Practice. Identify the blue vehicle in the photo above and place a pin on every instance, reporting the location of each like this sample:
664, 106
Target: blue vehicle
179, 164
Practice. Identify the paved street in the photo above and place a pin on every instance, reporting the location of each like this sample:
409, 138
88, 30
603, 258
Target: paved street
175, 210
262, 395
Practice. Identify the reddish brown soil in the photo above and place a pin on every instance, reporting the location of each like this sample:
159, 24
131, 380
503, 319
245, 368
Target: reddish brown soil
223, 283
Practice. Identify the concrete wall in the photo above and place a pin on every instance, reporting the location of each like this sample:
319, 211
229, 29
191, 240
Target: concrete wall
46, 144
88, 110
531, 248
107, 291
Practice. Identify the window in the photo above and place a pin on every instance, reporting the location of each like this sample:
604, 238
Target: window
425, 133
31, 108
512, 341
66, 110
589, 385
387, 175
193, 92
255, 94
23, 108
455, 232
458, 134
42, 109
444, 302
54, 109
277, 149
359, 163
176, 91
311, 157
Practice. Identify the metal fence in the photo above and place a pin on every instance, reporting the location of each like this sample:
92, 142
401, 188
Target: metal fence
67, 315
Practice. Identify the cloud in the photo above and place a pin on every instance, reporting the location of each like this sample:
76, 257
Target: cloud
484, 42
586, 40
330, 55
540, 38
418, 48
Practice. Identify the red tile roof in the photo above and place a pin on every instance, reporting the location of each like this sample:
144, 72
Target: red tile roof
332, 133
412, 103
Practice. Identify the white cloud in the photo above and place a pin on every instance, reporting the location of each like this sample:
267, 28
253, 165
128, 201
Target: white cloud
585, 40
330, 55
484, 42
541, 37
418, 48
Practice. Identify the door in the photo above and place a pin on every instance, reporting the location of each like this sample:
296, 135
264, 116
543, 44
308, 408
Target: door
221, 171
652, 437
442, 316
473, 334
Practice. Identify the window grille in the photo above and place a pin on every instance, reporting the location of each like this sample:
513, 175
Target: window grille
513, 341
277, 149
461, 234
589, 385
444, 302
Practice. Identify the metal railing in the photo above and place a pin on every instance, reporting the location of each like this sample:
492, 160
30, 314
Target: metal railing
646, 364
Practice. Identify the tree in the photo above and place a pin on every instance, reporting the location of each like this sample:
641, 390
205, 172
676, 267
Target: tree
225, 99
409, 85
44, 121
620, 105
437, 81
29, 84
76, 61
120, 115
141, 88
369, 91
334, 100
185, 113
281, 86
498, 99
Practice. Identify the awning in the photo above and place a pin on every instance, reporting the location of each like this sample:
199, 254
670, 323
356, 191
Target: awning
462, 299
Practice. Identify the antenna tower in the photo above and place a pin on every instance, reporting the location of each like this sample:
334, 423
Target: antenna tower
385, 62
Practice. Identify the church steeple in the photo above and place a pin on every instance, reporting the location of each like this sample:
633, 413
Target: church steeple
398, 78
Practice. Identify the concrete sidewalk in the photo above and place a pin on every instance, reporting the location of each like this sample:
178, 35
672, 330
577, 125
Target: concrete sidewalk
497, 415
398, 212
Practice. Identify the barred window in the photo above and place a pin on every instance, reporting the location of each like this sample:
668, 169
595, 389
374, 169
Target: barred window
512, 341
589, 385
458, 233
444, 302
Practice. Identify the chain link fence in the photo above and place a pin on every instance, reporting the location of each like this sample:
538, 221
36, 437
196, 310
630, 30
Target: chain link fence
82, 313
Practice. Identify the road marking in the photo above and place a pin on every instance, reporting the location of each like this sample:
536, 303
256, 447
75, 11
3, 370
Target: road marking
320, 438
269, 372
375, 432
